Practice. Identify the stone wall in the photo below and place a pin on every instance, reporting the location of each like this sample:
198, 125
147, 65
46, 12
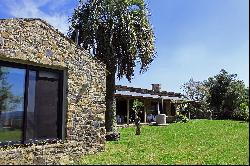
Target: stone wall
34, 42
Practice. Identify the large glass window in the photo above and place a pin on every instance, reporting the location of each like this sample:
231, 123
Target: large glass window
30, 104
12, 85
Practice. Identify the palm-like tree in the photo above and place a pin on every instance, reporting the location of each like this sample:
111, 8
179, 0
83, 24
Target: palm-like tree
118, 33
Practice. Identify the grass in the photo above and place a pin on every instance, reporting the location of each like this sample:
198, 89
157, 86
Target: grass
195, 142
14, 135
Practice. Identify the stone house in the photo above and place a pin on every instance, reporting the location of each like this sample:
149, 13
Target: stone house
52, 96
155, 102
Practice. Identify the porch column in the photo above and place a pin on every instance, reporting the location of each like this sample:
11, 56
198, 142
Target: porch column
171, 108
128, 111
162, 105
158, 107
145, 112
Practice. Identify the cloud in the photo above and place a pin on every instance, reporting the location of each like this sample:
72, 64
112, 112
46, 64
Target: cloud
35, 9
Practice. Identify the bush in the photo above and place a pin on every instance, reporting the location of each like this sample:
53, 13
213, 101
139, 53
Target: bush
241, 115
181, 118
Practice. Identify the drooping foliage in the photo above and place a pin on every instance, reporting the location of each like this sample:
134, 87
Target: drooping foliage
117, 32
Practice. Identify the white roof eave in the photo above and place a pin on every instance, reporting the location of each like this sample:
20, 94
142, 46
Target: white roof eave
136, 94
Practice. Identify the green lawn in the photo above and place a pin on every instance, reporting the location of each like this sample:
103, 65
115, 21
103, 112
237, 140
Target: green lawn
14, 135
195, 142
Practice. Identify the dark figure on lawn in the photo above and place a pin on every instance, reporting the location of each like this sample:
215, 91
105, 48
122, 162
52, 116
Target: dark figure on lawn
138, 126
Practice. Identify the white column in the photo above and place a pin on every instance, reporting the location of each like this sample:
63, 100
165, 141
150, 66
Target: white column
127, 111
158, 107
162, 105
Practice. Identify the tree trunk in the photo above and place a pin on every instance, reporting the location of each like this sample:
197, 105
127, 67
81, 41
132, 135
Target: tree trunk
110, 114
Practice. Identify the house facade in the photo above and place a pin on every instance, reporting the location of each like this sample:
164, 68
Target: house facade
52, 96
154, 100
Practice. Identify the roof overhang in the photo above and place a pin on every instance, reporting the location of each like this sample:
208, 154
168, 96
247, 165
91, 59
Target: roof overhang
130, 94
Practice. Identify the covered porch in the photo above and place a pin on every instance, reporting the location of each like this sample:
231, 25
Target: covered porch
153, 105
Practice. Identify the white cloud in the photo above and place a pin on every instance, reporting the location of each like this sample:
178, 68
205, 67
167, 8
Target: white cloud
32, 9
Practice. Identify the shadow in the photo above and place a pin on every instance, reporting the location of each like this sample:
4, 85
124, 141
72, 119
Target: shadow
83, 89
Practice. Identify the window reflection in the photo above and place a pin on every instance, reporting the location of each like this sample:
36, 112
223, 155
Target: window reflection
46, 105
12, 87
31, 117
29, 104
42, 105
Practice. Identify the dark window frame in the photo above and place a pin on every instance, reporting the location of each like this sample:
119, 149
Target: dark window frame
61, 111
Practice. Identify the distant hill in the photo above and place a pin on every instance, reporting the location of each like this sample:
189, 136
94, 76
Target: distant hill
11, 115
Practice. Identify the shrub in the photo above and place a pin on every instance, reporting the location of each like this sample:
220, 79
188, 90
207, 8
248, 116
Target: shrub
182, 118
242, 113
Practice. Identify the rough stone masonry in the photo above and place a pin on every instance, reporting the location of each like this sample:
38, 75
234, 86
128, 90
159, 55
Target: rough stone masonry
35, 42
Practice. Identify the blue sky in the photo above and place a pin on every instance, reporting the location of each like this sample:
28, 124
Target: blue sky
194, 38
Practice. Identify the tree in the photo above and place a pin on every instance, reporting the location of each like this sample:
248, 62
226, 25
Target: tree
4, 90
246, 96
118, 33
196, 91
225, 93
8, 101
137, 105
